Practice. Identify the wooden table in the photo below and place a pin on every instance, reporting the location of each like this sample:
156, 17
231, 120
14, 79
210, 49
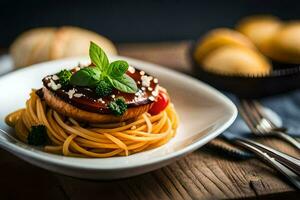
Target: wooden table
203, 174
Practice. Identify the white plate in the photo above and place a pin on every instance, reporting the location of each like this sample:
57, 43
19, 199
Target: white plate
6, 64
204, 113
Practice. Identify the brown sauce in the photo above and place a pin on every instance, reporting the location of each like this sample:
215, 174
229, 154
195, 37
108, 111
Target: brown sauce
85, 98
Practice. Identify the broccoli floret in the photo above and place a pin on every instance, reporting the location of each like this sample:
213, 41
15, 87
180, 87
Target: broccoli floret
64, 77
103, 89
37, 135
118, 107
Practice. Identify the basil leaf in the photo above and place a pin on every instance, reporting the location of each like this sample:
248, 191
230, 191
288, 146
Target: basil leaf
124, 83
117, 68
88, 76
98, 56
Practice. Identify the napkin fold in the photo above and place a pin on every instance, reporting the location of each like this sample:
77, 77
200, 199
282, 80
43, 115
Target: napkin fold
283, 110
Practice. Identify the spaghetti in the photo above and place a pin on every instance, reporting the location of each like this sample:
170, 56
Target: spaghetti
73, 138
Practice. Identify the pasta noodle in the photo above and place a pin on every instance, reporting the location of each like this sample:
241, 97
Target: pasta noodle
72, 138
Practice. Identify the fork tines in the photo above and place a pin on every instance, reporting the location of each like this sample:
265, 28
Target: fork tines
252, 112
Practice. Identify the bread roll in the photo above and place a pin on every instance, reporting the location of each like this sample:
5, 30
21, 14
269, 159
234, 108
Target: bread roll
43, 44
236, 60
217, 38
285, 44
260, 29
26, 49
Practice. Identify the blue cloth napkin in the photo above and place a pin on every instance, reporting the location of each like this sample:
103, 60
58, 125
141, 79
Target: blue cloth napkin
283, 110
286, 112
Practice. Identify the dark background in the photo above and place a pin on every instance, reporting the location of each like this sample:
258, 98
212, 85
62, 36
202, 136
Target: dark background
136, 21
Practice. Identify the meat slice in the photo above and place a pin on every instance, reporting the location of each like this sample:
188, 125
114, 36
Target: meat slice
69, 110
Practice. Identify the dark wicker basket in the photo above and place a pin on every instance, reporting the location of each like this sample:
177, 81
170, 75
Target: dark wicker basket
284, 78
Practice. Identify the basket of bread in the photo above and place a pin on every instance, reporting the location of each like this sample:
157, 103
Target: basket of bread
260, 57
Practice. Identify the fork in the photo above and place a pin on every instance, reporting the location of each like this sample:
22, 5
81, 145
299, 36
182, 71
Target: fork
285, 159
275, 159
252, 112
259, 124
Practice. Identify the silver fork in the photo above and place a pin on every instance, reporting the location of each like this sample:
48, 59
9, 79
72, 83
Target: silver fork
285, 159
285, 164
259, 124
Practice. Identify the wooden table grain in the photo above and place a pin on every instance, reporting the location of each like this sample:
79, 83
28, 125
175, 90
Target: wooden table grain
203, 174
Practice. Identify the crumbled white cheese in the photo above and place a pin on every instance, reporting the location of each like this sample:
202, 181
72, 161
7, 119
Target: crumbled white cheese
58, 86
71, 93
151, 98
139, 94
150, 89
53, 85
113, 96
78, 95
131, 69
155, 92
139, 82
143, 88
101, 100
142, 73
55, 77
146, 80
155, 80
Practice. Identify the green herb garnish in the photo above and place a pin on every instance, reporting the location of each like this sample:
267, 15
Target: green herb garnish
118, 107
37, 135
64, 77
88, 76
113, 73
103, 89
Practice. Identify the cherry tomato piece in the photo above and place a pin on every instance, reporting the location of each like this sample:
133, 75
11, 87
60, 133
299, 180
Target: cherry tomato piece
160, 104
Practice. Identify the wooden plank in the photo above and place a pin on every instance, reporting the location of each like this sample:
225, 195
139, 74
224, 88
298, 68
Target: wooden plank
87, 189
200, 174
20, 180
169, 54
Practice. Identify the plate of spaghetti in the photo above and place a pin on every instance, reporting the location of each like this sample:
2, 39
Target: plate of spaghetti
107, 117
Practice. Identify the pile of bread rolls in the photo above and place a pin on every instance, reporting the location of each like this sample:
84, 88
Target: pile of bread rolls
49, 43
249, 49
